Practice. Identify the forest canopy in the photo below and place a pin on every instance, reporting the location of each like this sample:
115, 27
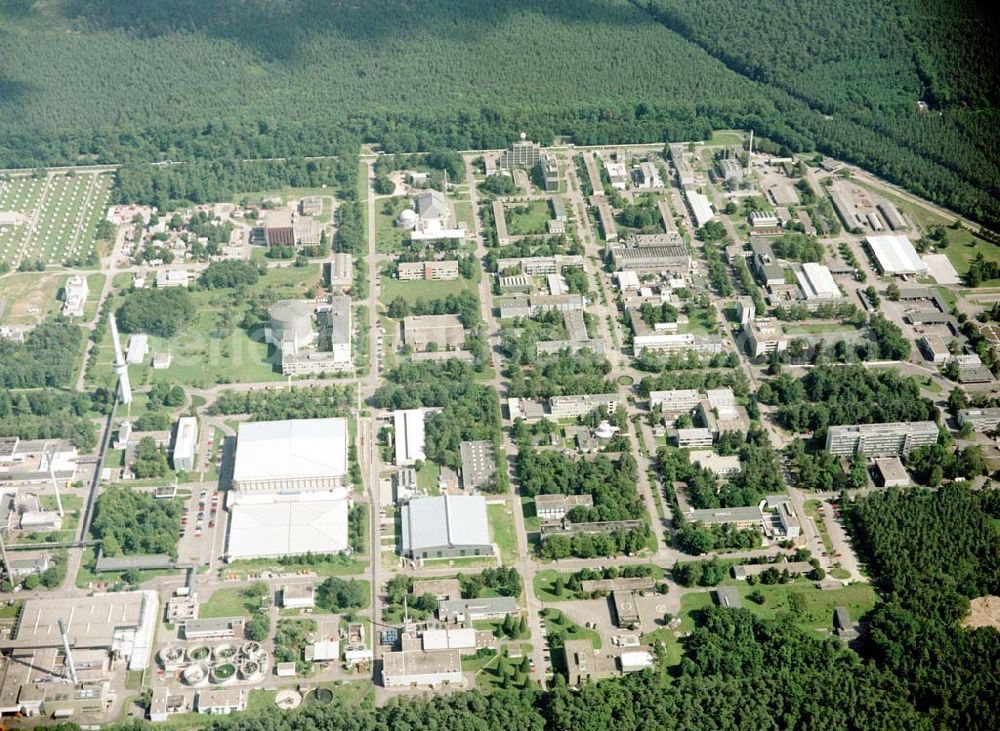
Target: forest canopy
47, 357
844, 80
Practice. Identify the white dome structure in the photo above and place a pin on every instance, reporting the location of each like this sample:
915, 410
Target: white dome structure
604, 430
407, 219
290, 325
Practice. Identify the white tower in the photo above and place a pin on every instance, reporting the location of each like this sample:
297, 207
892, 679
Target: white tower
51, 454
3, 555
70, 665
750, 154
120, 366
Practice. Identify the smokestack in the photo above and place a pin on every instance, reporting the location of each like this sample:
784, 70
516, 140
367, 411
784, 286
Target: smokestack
52, 475
750, 153
6, 561
69, 655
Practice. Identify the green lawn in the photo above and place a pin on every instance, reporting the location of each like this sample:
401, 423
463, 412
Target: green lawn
528, 218
819, 328
416, 290
818, 604
95, 285
389, 236
29, 297
701, 321
10, 611
816, 617
260, 700
341, 566
461, 562
726, 138
204, 355
532, 523
463, 212
544, 584
490, 670
427, 477
557, 621
122, 280
229, 601
504, 535
964, 246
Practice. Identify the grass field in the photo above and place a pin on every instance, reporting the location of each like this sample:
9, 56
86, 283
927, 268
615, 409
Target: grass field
27, 298
227, 602
815, 617
722, 137
342, 566
489, 670
820, 328
557, 621
416, 290
964, 246
504, 536
388, 236
202, 355
56, 216
701, 321
427, 477
544, 584
95, 285
463, 213
531, 221
532, 523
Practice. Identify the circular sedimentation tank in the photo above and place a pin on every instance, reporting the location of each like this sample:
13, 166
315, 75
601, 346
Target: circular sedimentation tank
288, 699
198, 654
195, 675
250, 649
171, 655
251, 669
224, 673
224, 652
319, 697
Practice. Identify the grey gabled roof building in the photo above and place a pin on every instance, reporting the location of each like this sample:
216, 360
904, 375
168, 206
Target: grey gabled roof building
446, 526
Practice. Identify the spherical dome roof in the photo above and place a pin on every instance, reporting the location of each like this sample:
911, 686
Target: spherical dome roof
605, 430
408, 217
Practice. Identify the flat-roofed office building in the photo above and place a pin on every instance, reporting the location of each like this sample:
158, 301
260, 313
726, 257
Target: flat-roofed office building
880, 440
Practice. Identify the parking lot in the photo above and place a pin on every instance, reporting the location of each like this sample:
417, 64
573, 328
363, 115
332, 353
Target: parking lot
200, 520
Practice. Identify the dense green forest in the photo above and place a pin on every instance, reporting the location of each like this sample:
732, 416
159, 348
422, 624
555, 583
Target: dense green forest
307, 402
930, 552
47, 357
48, 413
852, 394
131, 522
162, 312
278, 78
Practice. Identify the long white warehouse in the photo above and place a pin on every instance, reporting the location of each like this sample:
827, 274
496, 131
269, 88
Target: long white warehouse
298, 455
408, 425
